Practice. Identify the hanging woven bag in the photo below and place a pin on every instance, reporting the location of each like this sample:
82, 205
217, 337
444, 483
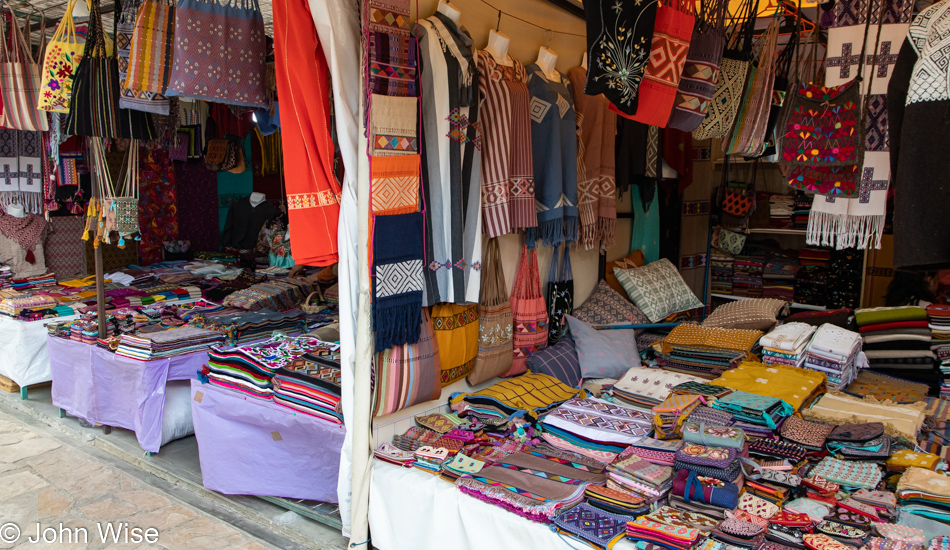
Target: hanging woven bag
219, 52
701, 71
63, 54
528, 311
94, 105
20, 81
494, 321
560, 297
151, 52
748, 132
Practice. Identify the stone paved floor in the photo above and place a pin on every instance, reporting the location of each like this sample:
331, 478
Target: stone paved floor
47, 480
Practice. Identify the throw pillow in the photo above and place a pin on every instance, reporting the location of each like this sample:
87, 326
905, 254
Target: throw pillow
635, 259
606, 306
657, 289
559, 361
603, 353
757, 314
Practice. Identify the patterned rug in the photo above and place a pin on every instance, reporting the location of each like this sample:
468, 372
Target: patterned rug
64, 247
158, 205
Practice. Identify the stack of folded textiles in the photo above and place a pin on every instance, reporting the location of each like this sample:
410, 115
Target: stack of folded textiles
802, 210
616, 502
860, 442
704, 351
896, 339
275, 294
834, 351
786, 344
781, 211
811, 285
167, 343
778, 278
595, 428
6, 277
924, 493
810, 256
387, 452
747, 271
721, 269
250, 369
242, 327
311, 384
38, 281
631, 474
14, 306
939, 317
669, 415
644, 388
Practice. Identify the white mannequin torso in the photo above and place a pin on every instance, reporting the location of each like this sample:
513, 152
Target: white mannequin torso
546, 61
498, 48
257, 198
16, 210
449, 11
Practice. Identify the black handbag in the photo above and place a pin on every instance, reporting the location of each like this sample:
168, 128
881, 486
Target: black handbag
94, 105
560, 298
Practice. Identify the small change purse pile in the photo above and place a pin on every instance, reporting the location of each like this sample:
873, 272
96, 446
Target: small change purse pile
716, 462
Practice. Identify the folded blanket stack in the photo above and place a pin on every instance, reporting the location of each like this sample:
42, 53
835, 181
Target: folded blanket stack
311, 384
669, 415
596, 428
778, 278
896, 339
786, 344
168, 343
250, 369
939, 317
242, 327
924, 493
721, 269
644, 388
38, 281
747, 272
781, 211
704, 351
834, 351
802, 211
6, 277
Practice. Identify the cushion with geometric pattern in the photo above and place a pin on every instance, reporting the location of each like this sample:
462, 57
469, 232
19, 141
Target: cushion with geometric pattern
657, 289
605, 306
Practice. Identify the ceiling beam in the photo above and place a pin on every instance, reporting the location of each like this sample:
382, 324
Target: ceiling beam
51, 23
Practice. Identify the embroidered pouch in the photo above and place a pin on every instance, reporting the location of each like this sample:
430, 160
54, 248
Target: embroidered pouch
679, 518
809, 434
391, 452
857, 432
904, 533
849, 472
788, 535
741, 528
746, 516
593, 525
427, 452
787, 479
462, 435
840, 515
757, 506
779, 449
790, 519
820, 484
820, 541
836, 529
701, 434
453, 446
440, 423
464, 464
700, 455
859, 508
814, 509
881, 499
906, 458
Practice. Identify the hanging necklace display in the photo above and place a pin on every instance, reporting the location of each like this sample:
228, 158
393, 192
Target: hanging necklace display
748, 132
733, 71
823, 134
701, 71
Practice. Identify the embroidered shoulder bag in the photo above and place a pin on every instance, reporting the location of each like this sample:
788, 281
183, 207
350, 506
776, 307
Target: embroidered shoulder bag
701, 71
529, 312
94, 105
20, 80
63, 54
560, 295
494, 321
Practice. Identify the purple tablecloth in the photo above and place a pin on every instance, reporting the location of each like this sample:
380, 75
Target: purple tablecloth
249, 446
99, 387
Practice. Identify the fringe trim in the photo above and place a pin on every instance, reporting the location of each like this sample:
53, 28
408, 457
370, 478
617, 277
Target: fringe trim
398, 323
588, 226
31, 202
844, 231
845, 417
607, 232
534, 510
570, 229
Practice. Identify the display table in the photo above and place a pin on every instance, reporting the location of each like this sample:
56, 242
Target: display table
101, 388
409, 508
23, 349
250, 446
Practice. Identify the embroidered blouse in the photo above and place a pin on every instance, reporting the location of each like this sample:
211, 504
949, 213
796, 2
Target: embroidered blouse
507, 170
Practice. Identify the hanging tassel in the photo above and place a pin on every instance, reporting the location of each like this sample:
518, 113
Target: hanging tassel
30, 258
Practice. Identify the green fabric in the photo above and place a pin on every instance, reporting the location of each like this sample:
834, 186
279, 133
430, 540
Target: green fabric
878, 315
645, 231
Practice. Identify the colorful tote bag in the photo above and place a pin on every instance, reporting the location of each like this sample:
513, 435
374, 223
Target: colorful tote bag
407, 374
560, 296
20, 82
94, 105
152, 48
456, 329
63, 54
131, 98
529, 312
733, 71
219, 52
748, 132
701, 71
494, 321
671, 35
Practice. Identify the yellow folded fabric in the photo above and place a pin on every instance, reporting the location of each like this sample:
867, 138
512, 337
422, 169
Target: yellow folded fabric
531, 392
691, 334
907, 458
76, 283
797, 387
